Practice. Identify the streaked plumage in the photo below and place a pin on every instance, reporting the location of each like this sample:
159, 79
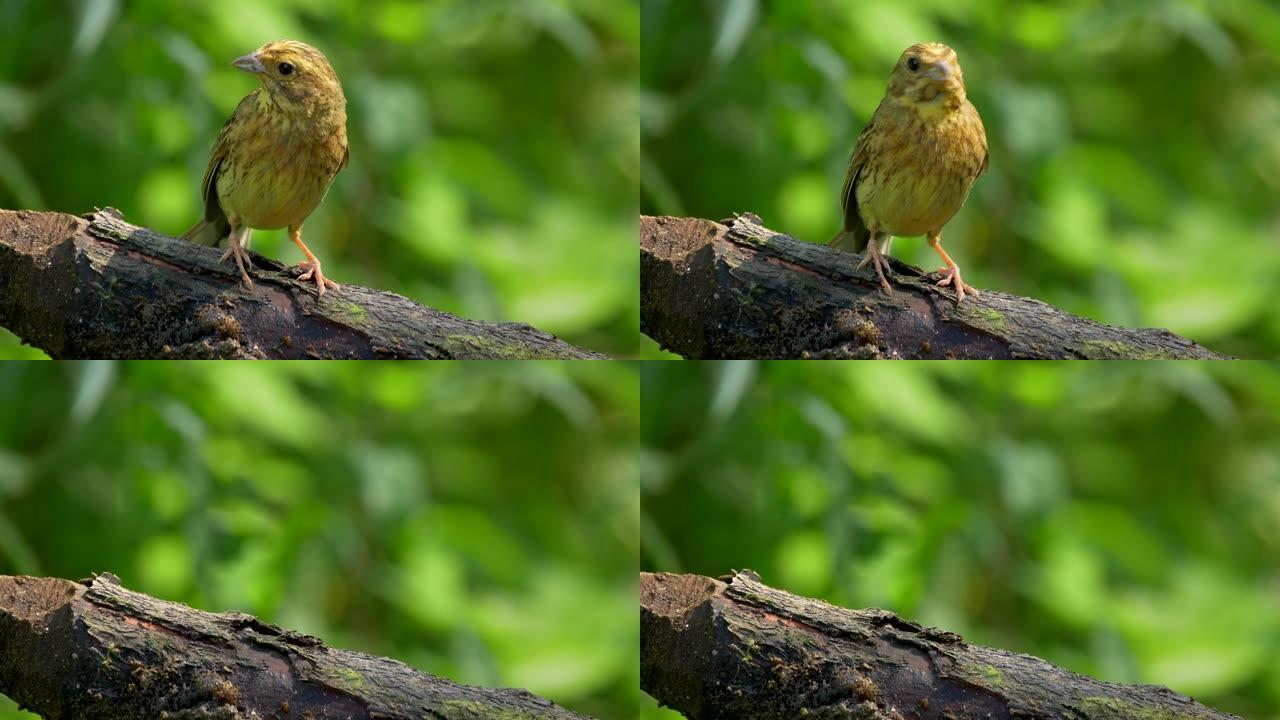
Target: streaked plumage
915, 162
276, 156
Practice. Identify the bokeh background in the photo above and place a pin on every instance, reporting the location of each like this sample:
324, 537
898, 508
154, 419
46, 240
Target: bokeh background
477, 521
494, 143
1122, 519
1135, 146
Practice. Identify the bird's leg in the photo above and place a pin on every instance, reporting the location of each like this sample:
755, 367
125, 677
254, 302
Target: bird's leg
877, 260
236, 243
950, 273
310, 268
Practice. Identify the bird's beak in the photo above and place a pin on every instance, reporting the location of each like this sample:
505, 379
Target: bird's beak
250, 63
941, 72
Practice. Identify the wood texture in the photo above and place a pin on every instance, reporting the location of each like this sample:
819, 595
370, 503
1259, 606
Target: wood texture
98, 287
735, 648
95, 651
739, 290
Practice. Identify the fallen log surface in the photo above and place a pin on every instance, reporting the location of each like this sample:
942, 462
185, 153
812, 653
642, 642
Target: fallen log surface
92, 650
735, 648
735, 289
98, 287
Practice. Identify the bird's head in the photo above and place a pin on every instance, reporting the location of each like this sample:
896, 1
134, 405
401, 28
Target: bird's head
295, 75
928, 75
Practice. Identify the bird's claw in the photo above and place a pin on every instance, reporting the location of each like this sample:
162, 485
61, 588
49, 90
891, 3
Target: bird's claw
951, 276
311, 270
237, 251
881, 265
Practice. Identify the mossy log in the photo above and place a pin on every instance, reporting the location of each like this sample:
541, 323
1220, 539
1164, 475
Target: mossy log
735, 648
92, 650
735, 289
98, 287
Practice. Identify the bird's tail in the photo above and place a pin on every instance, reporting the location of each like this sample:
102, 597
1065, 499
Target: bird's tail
855, 235
851, 239
206, 233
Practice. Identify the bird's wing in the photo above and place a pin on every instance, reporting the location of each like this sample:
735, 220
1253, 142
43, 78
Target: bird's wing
221, 146
855, 228
346, 156
982, 135
209, 188
213, 213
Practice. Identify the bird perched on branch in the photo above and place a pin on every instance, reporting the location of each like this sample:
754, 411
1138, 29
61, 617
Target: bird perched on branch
915, 162
276, 156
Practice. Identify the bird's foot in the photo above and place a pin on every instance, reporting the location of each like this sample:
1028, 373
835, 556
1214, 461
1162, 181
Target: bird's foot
237, 251
311, 271
881, 265
951, 276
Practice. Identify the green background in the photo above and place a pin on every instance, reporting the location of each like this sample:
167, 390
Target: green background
1135, 146
1121, 520
477, 521
494, 149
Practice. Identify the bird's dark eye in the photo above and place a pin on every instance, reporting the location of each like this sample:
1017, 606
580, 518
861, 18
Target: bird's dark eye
913, 64
287, 69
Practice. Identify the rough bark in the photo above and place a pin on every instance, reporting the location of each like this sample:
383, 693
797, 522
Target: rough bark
98, 287
733, 649
92, 650
736, 289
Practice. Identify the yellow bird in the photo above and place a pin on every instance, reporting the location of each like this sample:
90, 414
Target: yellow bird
915, 162
276, 156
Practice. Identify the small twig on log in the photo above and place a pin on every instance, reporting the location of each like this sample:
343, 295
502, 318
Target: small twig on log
731, 649
95, 651
98, 287
739, 290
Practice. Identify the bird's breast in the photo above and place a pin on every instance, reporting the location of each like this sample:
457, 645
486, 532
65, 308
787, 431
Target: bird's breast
920, 175
276, 177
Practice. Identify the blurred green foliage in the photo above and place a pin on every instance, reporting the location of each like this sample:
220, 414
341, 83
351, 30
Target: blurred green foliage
1135, 146
1122, 520
478, 521
494, 150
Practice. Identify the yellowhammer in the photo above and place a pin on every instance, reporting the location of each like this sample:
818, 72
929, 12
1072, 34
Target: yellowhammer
915, 162
276, 156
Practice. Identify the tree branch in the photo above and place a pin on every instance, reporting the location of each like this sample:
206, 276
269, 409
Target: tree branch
95, 651
739, 290
739, 649
99, 287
